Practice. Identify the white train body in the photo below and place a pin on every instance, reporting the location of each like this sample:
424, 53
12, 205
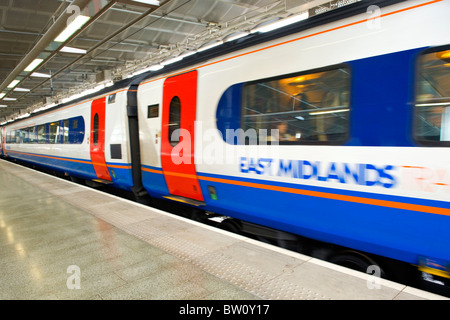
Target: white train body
365, 170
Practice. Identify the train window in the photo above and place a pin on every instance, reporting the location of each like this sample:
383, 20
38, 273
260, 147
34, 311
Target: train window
53, 132
32, 135
174, 121
76, 130
96, 129
41, 134
112, 98
432, 106
19, 136
24, 135
303, 108
153, 111
65, 131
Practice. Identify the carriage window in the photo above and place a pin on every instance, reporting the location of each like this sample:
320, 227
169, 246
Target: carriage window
53, 132
76, 130
96, 129
41, 135
304, 108
65, 131
33, 135
153, 111
174, 121
432, 107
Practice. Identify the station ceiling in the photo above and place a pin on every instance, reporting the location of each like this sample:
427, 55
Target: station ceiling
118, 39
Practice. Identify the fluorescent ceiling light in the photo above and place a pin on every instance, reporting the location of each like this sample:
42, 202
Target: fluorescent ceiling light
152, 2
154, 67
33, 65
9, 99
235, 36
281, 23
72, 28
187, 53
40, 75
13, 84
432, 104
25, 115
328, 111
22, 90
2, 95
171, 60
73, 50
210, 45
3, 106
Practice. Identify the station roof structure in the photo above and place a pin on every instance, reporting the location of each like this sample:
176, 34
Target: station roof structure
51, 50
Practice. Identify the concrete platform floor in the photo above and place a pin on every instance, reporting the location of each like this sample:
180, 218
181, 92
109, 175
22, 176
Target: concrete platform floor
59, 240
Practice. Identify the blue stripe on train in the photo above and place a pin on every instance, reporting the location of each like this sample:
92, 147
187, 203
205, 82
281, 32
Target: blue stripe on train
397, 233
80, 168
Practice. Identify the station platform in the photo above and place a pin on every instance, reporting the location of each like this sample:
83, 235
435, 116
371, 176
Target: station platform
64, 241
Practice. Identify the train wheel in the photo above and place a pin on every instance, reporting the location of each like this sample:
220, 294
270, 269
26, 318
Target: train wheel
356, 261
230, 225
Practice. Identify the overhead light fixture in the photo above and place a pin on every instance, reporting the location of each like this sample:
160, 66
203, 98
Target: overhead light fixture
13, 84
187, 53
151, 2
171, 60
9, 99
33, 65
315, 113
40, 75
3, 106
22, 90
235, 36
210, 45
73, 50
72, 28
2, 95
281, 23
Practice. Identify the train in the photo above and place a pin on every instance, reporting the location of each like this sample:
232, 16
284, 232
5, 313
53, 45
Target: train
331, 134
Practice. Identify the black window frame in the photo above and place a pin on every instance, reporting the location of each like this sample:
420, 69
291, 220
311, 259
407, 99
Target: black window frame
418, 141
344, 139
174, 123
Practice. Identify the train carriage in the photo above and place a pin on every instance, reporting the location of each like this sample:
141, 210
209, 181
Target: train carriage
360, 157
87, 139
334, 129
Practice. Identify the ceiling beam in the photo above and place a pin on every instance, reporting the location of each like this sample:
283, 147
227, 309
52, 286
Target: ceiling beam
59, 25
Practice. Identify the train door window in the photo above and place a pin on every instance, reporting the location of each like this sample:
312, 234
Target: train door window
41, 134
305, 108
174, 120
96, 129
432, 105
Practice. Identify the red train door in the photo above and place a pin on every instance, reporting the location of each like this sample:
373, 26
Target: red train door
97, 139
177, 136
